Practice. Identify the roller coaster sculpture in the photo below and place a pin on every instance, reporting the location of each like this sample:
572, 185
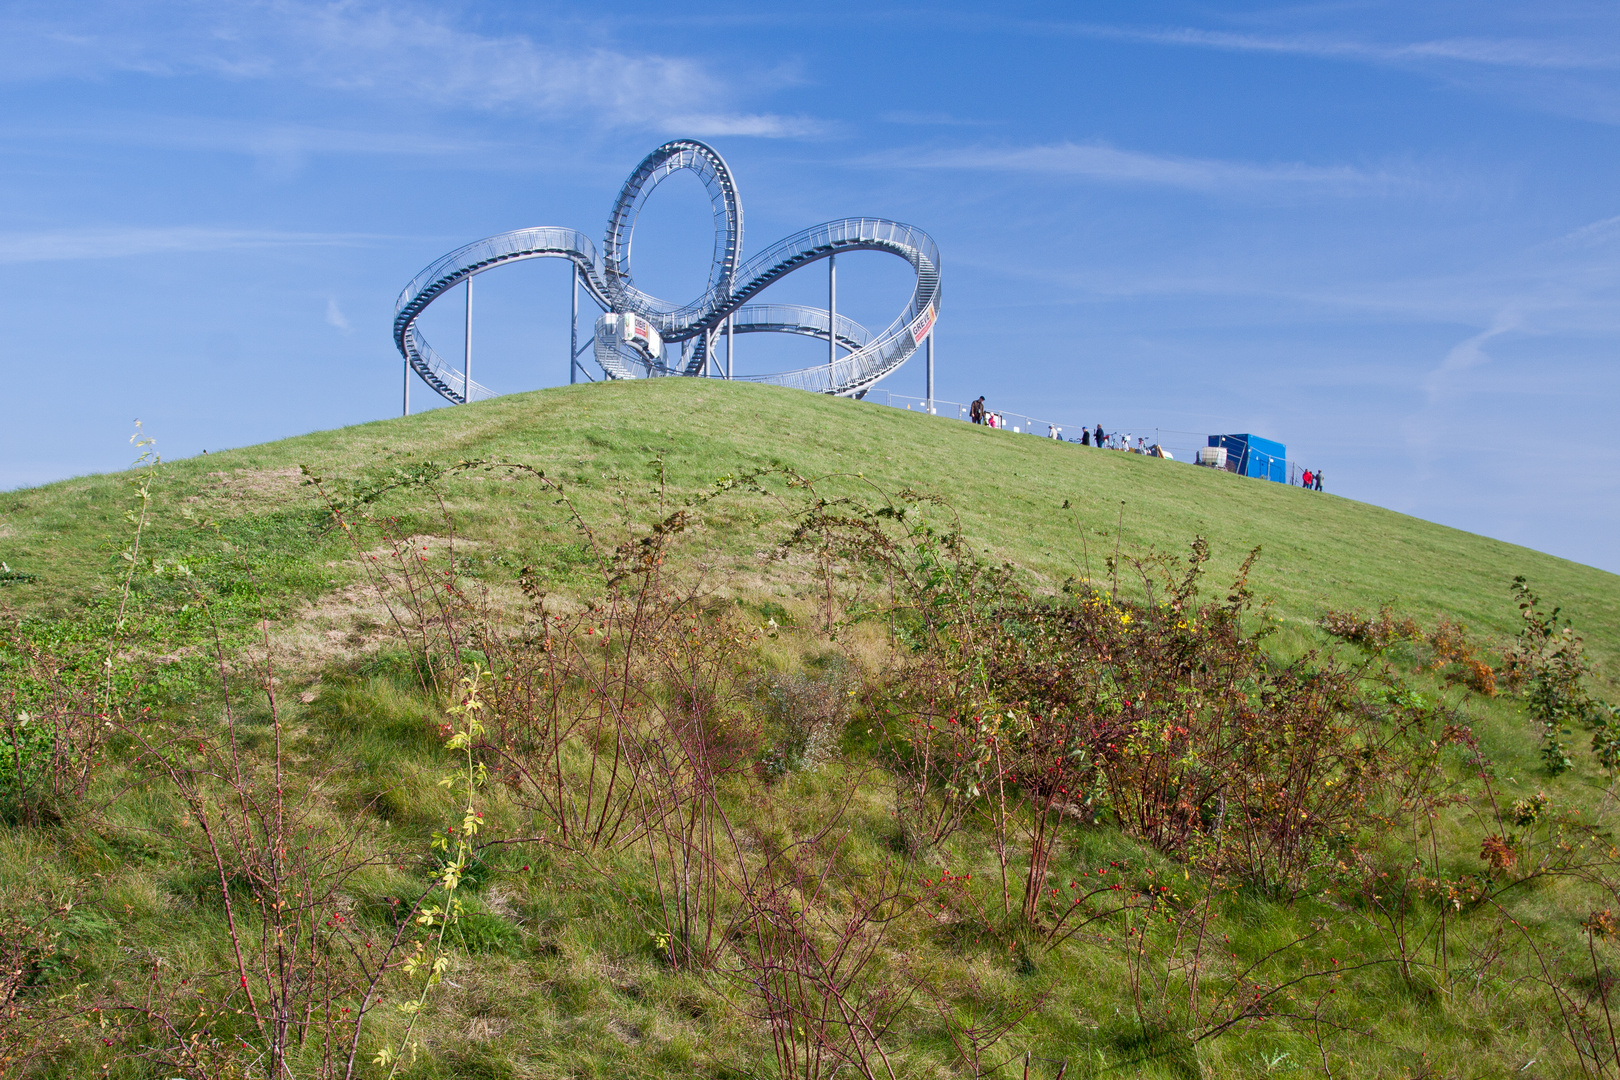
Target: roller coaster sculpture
634, 334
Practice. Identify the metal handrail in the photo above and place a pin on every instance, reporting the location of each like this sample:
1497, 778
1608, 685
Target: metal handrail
1030, 425
450, 270
608, 280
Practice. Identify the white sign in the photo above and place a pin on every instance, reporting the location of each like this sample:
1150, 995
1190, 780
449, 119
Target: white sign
922, 324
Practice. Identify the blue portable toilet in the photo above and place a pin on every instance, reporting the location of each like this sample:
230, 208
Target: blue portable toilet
1250, 455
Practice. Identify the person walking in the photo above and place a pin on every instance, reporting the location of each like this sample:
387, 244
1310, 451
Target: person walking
1085, 437
976, 411
1100, 438
1318, 479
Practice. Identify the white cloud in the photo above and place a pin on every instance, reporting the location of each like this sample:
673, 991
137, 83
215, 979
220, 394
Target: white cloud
1469, 353
1495, 52
1565, 66
766, 125
77, 244
280, 150
917, 118
1594, 234
334, 315
1096, 161
399, 50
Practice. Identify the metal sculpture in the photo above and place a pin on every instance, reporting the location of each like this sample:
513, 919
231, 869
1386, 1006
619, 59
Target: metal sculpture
633, 335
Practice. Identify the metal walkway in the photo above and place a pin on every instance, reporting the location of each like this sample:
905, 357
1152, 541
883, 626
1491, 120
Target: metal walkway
622, 346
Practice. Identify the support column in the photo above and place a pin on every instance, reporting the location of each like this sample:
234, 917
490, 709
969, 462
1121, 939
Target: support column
731, 341
466, 356
573, 328
832, 318
930, 347
407, 411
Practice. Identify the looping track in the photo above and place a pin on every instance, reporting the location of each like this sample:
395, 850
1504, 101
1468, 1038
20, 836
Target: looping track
608, 280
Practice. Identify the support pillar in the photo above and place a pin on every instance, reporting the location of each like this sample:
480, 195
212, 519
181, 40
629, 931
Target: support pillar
466, 356
407, 384
731, 341
832, 318
573, 328
930, 348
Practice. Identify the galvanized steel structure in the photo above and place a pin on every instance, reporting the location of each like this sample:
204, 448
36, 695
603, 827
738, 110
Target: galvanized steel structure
635, 326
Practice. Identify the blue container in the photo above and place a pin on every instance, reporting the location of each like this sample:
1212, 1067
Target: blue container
1250, 455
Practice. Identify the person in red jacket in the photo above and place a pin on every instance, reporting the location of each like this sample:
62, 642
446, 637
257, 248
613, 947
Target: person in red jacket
1305, 481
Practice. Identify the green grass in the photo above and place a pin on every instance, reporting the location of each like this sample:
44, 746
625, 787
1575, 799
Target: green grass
1318, 551
555, 974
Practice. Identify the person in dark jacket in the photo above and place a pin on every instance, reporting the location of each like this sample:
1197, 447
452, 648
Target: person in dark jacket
1318, 479
1098, 438
1085, 437
976, 411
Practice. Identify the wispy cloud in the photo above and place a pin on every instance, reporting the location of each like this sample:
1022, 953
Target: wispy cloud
1594, 234
1100, 162
1469, 353
281, 150
335, 317
765, 125
400, 50
915, 118
113, 243
1495, 52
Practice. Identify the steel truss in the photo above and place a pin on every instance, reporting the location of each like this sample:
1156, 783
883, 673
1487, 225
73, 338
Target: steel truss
724, 306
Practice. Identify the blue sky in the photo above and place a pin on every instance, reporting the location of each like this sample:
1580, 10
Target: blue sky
1387, 238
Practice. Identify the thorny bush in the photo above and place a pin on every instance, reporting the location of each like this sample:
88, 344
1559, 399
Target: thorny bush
52, 730
1447, 648
1164, 716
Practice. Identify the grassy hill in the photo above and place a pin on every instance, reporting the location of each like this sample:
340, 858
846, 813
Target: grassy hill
1010, 490
560, 964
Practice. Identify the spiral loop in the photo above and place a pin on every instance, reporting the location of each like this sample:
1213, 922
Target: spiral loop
630, 337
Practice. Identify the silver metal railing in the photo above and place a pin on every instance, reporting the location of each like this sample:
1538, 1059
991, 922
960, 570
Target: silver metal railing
869, 357
1176, 445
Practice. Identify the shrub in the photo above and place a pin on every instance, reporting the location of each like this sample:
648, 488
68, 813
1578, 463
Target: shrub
1549, 660
1375, 634
1165, 716
51, 733
804, 717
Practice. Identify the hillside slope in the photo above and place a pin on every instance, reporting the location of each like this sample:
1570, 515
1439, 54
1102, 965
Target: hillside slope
1318, 551
1284, 853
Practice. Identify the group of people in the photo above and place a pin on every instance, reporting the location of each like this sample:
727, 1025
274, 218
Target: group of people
1311, 481
978, 414
1117, 441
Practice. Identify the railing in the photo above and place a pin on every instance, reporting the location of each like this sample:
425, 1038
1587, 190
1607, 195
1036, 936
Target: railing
424, 360
1174, 445
862, 368
797, 319
1017, 423
448, 270
607, 278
